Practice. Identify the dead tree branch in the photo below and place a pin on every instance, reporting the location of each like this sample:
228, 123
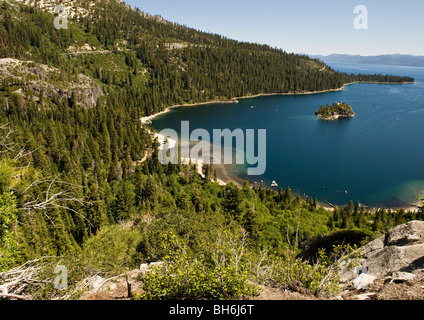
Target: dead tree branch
16, 283
57, 194
50, 199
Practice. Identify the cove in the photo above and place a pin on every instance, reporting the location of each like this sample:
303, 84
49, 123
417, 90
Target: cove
376, 158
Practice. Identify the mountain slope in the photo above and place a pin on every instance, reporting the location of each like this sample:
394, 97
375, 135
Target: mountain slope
72, 183
389, 59
181, 65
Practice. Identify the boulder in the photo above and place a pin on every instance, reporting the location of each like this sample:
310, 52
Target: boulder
37, 78
393, 258
373, 246
411, 232
145, 267
363, 281
399, 251
399, 276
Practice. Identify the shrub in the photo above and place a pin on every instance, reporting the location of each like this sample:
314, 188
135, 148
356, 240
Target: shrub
113, 249
220, 271
319, 278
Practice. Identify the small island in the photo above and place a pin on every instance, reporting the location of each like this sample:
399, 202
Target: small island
335, 111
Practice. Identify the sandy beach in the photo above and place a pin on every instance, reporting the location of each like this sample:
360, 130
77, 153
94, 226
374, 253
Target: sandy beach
224, 174
223, 171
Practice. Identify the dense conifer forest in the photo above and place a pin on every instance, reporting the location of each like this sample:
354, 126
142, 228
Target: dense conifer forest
72, 181
336, 110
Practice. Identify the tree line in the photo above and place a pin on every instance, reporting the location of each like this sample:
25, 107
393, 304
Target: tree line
69, 175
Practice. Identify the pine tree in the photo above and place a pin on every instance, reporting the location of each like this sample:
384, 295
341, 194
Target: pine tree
96, 209
123, 205
287, 197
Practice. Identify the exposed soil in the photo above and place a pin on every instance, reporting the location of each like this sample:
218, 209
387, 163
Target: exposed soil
379, 290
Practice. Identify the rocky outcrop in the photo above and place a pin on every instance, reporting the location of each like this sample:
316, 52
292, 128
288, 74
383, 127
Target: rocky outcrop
396, 257
36, 79
75, 8
400, 249
120, 287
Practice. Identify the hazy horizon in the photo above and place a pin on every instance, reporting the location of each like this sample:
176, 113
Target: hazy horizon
360, 55
304, 26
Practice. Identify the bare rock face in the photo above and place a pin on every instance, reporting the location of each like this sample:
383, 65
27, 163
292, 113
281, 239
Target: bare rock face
38, 79
397, 255
395, 258
412, 232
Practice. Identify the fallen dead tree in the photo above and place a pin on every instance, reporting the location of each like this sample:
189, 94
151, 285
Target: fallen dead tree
20, 282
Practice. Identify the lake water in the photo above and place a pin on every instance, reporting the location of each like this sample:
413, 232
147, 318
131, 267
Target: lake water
377, 157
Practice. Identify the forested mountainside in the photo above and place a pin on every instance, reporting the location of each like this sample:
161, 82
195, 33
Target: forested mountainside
73, 183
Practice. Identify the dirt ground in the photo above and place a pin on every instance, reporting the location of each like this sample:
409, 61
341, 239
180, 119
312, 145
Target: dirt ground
379, 290
270, 293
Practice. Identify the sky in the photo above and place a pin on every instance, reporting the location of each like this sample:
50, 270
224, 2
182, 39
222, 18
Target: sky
304, 26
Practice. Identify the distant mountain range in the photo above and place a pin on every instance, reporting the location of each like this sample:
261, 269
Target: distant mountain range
389, 59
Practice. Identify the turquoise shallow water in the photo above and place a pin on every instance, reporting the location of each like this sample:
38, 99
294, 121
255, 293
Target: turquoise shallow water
376, 157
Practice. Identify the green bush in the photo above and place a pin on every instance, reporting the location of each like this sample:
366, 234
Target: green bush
319, 278
221, 271
113, 249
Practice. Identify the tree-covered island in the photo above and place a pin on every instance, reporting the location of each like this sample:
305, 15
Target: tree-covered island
335, 111
81, 184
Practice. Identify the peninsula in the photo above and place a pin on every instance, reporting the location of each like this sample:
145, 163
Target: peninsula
335, 111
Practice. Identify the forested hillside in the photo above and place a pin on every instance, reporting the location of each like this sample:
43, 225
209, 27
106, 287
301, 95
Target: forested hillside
72, 183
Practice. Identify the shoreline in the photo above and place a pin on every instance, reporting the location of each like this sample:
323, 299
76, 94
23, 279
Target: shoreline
148, 119
223, 176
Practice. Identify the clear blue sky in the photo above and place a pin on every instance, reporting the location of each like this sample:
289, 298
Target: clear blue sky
303, 26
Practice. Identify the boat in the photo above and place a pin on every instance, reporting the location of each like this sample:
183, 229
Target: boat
274, 184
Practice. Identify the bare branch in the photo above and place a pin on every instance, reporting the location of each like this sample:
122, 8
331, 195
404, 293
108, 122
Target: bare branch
13, 296
53, 200
56, 195
21, 153
18, 280
4, 139
107, 280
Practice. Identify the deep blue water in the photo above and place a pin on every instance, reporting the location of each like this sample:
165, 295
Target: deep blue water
376, 157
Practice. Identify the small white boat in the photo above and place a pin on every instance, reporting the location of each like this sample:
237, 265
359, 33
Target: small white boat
274, 184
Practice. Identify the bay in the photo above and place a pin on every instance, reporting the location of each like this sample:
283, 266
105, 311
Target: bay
376, 158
